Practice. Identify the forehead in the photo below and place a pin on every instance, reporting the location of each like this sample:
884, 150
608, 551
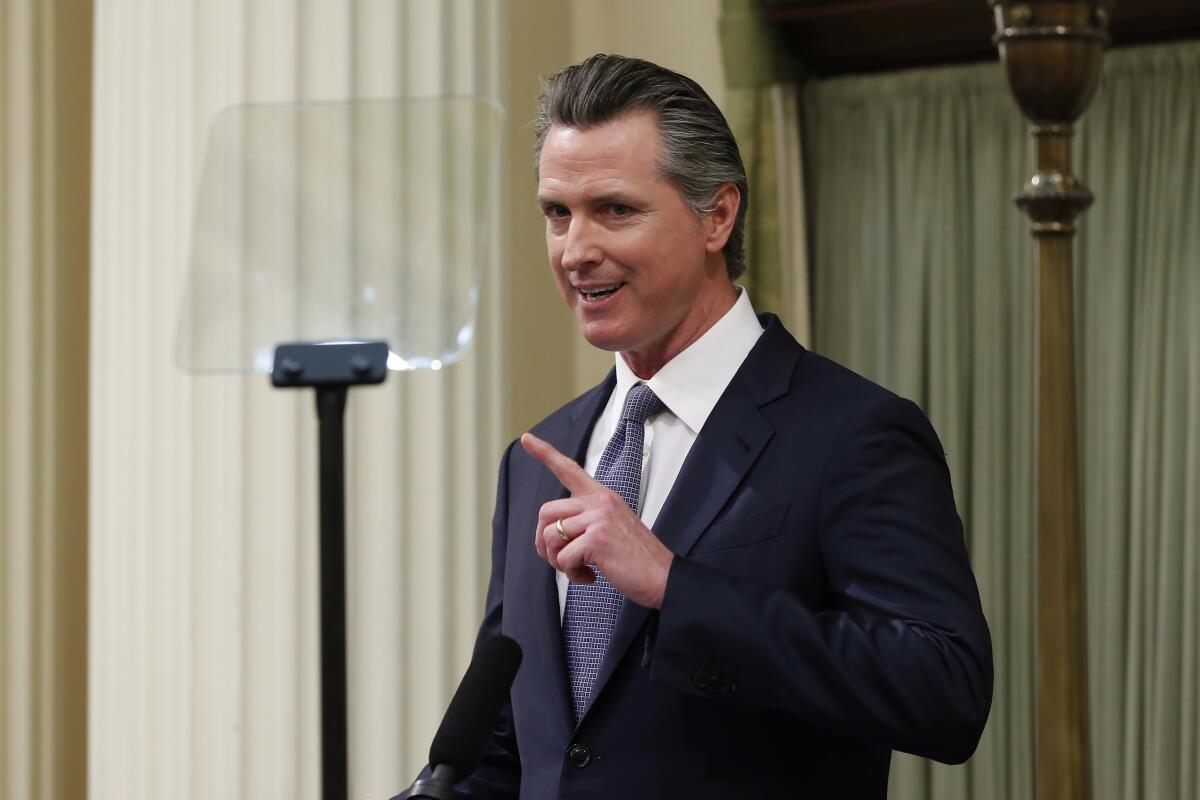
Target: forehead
623, 151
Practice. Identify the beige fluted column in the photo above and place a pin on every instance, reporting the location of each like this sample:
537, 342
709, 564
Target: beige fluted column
203, 598
45, 49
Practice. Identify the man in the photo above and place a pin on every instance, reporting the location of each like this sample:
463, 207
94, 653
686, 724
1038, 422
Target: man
734, 567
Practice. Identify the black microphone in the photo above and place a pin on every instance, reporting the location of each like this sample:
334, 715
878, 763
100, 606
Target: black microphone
460, 741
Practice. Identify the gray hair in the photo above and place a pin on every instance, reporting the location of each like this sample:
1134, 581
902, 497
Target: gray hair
699, 153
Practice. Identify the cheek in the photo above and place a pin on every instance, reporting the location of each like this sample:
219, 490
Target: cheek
554, 254
561, 280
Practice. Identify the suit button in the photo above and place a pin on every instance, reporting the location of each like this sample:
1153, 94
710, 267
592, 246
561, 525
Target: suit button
579, 756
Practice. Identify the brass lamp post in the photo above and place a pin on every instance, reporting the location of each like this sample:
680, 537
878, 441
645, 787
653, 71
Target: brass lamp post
1052, 51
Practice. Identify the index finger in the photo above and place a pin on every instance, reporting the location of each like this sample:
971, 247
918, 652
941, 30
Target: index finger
569, 474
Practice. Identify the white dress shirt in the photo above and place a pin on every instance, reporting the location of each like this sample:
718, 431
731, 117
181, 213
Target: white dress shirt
689, 386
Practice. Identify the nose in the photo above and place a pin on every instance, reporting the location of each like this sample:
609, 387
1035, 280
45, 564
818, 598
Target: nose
582, 250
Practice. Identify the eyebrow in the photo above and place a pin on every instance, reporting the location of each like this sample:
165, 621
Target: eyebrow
617, 198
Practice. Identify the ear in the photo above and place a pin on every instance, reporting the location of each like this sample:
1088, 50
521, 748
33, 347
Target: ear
719, 222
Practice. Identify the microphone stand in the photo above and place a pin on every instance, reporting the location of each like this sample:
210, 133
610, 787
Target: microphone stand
331, 369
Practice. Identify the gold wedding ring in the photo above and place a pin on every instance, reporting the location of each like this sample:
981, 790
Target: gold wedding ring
562, 534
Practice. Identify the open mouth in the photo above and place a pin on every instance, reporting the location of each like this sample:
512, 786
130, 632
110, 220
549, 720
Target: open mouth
597, 293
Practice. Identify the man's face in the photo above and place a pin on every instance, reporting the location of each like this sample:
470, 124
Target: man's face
643, 275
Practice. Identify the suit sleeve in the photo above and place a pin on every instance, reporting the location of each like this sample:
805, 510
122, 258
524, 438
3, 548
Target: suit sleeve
902, 657
498, 776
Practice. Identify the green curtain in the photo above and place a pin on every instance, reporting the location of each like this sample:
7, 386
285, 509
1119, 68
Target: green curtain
758, 73
923, 279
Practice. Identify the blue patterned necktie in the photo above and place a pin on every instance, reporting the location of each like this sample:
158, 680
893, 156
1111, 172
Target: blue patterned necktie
592, 608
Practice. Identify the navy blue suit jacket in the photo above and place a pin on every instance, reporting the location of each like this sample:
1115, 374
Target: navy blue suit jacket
820, 612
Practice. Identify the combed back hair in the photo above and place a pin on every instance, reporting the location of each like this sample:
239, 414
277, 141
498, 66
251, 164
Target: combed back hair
699, 153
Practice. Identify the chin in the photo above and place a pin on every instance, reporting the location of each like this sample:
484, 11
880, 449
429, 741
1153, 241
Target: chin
601, 342
602, 337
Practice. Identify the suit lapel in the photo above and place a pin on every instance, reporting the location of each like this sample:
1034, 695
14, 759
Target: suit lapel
570, 437
724, 451
732, 439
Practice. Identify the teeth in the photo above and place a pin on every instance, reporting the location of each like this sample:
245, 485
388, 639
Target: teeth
600, 291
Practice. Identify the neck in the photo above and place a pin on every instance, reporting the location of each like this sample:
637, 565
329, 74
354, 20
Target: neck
646, 364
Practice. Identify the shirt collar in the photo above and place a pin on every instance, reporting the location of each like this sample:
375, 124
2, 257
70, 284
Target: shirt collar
691, 383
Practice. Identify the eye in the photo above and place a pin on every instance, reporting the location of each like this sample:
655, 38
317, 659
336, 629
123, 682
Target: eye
555, 211
619, 210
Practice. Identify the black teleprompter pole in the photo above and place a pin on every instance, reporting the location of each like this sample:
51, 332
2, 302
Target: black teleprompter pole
332, 368
331, 407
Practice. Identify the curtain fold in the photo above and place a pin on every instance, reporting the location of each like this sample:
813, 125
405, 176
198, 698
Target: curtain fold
204, 666
1138, 292
762, 109
923, 279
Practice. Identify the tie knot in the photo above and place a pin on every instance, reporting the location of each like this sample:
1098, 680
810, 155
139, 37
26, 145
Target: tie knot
640, 404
